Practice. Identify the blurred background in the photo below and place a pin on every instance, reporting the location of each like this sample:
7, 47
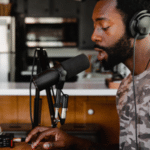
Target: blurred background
62, 27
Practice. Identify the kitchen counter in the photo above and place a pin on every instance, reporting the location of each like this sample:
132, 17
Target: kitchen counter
83, 87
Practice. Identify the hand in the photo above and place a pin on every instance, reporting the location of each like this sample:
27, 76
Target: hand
62, 139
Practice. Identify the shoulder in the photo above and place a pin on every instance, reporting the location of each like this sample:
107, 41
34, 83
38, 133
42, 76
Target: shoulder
124, 85
123, 89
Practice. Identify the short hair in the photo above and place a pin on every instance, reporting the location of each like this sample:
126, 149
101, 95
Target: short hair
129, 8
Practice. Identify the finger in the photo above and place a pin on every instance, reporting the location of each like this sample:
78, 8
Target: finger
40, 145
35, 131
53, 145
43, 135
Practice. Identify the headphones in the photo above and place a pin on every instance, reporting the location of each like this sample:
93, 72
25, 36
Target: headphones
140, 24
139, 27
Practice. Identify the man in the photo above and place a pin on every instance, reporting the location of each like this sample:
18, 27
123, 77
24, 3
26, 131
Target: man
114, 44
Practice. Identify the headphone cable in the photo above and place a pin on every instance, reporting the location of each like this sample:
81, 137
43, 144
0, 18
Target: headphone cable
30, 103
134, 91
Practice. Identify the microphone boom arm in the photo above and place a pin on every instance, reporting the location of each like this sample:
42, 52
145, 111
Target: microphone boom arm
40, 83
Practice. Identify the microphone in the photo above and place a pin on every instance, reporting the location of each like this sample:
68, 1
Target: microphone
64, 108
65, 70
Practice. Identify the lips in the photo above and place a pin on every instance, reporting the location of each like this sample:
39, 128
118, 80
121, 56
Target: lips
102, 55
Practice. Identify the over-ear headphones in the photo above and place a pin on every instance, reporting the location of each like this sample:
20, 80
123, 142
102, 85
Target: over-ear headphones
140, 24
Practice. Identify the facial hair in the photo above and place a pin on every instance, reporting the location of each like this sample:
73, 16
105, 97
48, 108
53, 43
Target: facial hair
117, 53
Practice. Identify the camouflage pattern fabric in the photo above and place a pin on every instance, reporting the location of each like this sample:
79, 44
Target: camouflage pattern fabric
126, 112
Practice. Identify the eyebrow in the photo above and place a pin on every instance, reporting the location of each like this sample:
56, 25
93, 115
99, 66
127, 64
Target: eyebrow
99, 19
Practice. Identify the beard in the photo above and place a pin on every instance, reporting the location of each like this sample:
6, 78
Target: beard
118, 53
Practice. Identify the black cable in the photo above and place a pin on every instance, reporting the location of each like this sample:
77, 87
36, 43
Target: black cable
62, 92
134, 91
30, 103
53, 94
147, 64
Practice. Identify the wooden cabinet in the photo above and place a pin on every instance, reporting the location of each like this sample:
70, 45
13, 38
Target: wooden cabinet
81, 110
8, 109
102, 111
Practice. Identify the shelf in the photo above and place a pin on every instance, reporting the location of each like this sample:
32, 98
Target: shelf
63, 52
51, 44
49, 20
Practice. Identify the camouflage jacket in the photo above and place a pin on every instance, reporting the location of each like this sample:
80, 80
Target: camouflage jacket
126, 112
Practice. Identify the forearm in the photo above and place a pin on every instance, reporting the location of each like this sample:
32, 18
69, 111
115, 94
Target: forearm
83, 144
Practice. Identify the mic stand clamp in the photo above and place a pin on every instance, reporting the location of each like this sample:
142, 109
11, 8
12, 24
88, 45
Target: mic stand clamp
60, 99
64, 101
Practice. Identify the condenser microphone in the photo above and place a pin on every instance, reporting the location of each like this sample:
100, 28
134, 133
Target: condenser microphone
64, 108
64, 71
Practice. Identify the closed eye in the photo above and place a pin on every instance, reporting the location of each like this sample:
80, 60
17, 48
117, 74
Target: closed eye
106, 28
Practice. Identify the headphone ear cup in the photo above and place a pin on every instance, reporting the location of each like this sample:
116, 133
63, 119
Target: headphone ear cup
144, 25
140, 24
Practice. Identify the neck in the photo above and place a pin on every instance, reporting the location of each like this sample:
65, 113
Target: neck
142, 57
139, 68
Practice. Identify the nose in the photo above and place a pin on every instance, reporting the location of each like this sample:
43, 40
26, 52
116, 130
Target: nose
96, 36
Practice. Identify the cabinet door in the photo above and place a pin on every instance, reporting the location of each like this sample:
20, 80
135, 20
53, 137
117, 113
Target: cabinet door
23, 109
80, 105
36, 8
100, 110
86, 24
64, 8
8, 109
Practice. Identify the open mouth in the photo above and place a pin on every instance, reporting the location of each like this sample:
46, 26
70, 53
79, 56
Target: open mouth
101, 54
98, 49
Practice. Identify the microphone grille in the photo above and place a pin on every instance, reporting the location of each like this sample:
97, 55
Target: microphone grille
75, 65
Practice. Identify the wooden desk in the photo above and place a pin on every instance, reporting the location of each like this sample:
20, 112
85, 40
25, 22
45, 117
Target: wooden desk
22, 146
15, 109
84, 96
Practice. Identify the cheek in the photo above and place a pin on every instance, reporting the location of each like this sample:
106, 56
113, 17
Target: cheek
114, 34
